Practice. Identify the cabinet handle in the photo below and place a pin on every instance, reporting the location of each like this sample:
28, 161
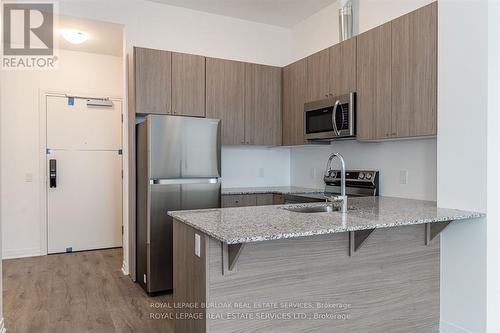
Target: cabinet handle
326, 95
394, 134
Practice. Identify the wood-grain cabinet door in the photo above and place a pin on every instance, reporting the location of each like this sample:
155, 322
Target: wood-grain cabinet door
374, 83
225, 97
153, 81
294, 96
239, 200
188, 85
414, 73
318, 76
262, 105
343, 67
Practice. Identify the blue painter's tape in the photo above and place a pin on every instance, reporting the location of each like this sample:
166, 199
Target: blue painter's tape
71, 101
69, 249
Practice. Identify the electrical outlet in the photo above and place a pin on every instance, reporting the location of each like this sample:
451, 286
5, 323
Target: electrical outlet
403, 177
261, 172
197, 245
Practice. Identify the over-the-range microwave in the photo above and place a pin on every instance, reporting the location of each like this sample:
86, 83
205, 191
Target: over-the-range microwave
331, 118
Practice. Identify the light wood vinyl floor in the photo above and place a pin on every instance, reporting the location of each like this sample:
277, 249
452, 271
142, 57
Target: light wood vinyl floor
78, 292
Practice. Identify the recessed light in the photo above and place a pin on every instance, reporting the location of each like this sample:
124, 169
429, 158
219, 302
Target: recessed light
74, 36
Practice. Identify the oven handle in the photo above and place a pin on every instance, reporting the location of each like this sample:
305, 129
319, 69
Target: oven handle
334, 118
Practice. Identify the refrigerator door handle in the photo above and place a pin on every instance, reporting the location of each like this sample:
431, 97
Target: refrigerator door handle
184, 181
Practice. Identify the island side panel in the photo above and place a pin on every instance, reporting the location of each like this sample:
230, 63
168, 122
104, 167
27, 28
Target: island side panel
190, 278
391, 283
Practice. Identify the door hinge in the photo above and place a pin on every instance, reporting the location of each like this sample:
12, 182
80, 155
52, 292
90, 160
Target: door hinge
122, 230
122, 117
122, 173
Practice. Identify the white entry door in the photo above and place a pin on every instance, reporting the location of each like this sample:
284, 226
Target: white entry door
84, 175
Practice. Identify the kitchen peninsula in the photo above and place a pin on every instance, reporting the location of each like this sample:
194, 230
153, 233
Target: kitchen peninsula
283, 268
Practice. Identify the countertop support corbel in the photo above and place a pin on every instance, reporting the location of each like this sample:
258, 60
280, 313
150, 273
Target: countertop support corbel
356, 239
230, 255
434, 229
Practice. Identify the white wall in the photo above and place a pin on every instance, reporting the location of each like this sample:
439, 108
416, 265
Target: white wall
321, 30
86, 73
255, 166
156, 25
463, 153
417, 157
493, 264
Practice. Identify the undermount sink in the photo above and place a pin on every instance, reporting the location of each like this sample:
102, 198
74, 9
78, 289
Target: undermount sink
324, 208
313, 209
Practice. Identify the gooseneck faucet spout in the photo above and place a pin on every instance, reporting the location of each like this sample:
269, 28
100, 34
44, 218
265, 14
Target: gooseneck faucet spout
342, 196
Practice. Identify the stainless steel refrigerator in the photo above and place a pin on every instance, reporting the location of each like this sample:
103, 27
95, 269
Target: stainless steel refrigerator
178, 168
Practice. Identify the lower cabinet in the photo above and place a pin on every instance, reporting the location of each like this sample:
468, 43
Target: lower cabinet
243, 200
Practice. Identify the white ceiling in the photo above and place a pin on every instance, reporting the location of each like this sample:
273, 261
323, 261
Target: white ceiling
105, 38
284, 13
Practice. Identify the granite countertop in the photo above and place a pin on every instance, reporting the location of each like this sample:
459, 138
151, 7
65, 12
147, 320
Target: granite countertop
270, 189
261, 223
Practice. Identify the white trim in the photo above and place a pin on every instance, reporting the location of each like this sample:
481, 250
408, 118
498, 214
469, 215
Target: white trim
125, 269
447, 327
2, 326
42, 143
20, 253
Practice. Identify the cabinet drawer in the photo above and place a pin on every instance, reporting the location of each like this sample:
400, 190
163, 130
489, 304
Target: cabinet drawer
278, 199
264, 199
239, 200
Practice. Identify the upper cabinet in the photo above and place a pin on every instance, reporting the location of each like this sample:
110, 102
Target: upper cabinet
342, 69
294, 97
396, 78
262, 105
373, 98
225, 98
167, 83
332, 72
392, 68
414, 73
318, 76
152, 71
188, 85
247, 98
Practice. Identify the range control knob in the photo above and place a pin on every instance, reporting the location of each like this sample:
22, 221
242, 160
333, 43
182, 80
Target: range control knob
368, 176
361, 175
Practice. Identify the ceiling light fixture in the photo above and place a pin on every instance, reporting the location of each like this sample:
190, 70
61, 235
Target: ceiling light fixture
74, 36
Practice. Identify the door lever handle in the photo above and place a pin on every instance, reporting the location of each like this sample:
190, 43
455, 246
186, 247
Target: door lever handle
52, 173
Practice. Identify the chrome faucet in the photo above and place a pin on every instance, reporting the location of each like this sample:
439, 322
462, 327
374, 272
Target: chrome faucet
342, 197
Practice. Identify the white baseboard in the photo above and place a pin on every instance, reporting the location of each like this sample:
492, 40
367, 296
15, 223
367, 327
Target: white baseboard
125, 269
2, 326
20, 253
447, 327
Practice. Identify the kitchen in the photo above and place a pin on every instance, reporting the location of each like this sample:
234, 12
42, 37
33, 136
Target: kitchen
268, 149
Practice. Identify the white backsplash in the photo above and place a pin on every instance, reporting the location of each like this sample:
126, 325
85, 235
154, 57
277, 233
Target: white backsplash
415, 159
250, 166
